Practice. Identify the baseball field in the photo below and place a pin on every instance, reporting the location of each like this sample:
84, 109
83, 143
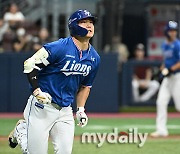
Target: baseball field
106, 123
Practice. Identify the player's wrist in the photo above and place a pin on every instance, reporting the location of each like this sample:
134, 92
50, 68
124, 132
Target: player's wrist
42, 97
37, 91
172, 69
81, 117
80, 109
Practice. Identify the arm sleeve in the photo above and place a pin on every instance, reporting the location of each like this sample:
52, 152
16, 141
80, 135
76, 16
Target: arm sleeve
88, 80
33, 77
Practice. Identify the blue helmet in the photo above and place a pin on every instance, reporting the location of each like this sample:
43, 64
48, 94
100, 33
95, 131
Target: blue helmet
171, 25
74, 28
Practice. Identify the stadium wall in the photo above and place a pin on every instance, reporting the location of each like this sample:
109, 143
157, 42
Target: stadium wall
14, 90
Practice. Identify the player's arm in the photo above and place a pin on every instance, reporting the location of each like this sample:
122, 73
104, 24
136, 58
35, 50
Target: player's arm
82, 96
81, 99
162, 67
175, 67
148, 74
31, 67
167, 71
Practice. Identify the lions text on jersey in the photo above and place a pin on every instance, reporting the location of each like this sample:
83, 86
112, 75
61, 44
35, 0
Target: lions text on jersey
67, 71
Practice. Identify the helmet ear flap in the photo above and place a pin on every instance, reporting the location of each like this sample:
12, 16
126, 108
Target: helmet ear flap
76, 30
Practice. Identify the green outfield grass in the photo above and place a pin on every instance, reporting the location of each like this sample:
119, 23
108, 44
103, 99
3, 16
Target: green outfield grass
157, 146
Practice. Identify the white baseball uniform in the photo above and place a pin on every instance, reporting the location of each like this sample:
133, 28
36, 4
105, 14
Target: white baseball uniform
170, 86
46, 121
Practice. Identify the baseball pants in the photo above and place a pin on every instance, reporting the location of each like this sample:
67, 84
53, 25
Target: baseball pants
44, 121
152, 88
170, 87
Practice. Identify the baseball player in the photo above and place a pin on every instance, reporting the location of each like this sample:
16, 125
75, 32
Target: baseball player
57, 72
170, 85
142, 78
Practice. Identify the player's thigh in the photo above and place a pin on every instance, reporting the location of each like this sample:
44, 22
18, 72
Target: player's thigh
153, 84
176, 91
135, 83
37, 140
164, 93
28, 107
39, 123
62, 135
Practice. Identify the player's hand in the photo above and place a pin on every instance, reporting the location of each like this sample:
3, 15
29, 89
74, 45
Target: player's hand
81, 117
166, 72
42, 97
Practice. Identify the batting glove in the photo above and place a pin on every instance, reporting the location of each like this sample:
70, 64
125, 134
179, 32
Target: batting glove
81, 117
42, 97
166, 72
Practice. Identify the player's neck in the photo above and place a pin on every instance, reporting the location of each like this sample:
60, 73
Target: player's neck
81, 43
171, 40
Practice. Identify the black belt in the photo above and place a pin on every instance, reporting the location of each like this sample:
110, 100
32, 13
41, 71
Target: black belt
56, 106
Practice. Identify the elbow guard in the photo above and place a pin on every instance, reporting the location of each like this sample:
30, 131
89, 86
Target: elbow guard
40, 57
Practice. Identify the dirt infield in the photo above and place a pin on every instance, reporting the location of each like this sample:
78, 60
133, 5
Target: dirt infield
103, 115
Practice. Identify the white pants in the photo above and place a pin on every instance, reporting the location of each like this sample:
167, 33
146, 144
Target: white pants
45, 122
152, 88
170, 87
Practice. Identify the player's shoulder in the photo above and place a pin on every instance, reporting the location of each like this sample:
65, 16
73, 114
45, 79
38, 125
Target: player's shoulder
177, 43
57, 46
58, 43
94, 53
164, 43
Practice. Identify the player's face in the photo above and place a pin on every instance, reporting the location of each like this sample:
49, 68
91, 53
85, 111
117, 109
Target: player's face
172, 34
139, 54
89, 25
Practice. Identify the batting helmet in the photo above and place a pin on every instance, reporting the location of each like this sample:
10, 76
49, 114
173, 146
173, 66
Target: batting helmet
171, 25
74, 28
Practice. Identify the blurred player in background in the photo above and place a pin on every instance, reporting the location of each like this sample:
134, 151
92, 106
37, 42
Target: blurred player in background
170, 85
119, 48
57, 72
142, 78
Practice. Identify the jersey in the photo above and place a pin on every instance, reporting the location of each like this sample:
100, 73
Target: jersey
141, 71
171, 53
67, 71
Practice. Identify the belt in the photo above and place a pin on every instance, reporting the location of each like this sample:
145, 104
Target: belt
56, 106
